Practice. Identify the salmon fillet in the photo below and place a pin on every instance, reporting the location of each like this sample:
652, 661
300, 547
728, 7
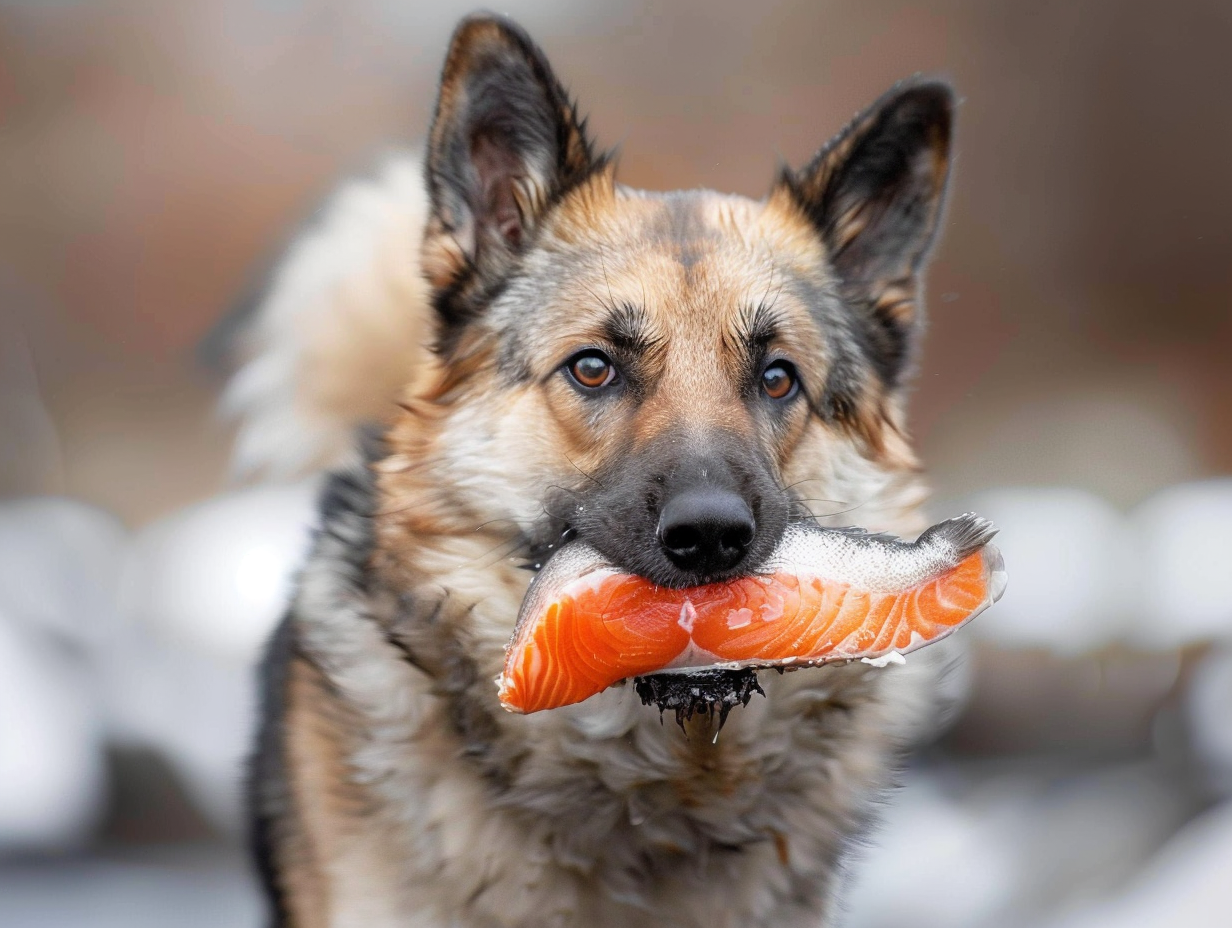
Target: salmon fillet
826, 595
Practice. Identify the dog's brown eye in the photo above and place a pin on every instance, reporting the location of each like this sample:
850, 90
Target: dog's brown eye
592, 369
779, 380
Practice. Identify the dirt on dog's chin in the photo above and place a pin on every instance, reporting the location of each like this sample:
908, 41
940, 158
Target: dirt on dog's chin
699, 692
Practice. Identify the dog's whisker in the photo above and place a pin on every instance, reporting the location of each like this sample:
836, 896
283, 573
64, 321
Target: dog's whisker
511, 546
803, 480
606, 280
518, 522
393, 510
842, 512
604, 304
590, 477
555, 516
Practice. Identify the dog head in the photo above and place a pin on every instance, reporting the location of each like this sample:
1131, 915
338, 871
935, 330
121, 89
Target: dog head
672, 377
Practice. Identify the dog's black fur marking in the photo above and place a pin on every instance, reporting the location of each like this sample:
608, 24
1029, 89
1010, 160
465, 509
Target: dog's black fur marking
442, 659
346, 515
266, 786
345, 504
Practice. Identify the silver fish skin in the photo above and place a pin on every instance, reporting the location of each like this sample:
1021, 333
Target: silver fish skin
885, 563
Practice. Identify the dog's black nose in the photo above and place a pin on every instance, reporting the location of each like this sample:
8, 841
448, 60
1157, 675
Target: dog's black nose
706, 531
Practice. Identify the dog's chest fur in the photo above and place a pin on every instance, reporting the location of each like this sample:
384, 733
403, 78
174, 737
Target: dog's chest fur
413, 800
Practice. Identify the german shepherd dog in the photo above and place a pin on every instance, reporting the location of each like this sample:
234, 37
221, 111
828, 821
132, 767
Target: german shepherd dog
672, 378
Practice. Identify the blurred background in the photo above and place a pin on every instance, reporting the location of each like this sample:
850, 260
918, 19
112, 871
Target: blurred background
156, 157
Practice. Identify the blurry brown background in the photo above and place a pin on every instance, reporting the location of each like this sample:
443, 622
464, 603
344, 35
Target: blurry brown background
154, 157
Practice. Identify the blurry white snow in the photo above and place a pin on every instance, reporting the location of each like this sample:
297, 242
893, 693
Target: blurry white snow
1183, 537
1083, 575
1065, 555
155, 886
1186, 884
958, 876
59, 561
1208, 709
148, 640
218, 574
204, 588
961, 849
195, 707
51, 764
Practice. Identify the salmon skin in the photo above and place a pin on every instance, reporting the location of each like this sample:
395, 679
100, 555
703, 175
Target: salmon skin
824, 596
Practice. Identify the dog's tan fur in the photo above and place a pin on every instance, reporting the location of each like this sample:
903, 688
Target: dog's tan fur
392, 790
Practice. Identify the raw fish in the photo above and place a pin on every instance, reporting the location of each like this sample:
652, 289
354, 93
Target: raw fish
825, 595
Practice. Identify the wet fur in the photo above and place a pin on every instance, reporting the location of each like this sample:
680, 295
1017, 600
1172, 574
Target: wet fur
389, 788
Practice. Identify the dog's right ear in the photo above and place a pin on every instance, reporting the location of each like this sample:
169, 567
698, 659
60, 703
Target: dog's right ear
506, 143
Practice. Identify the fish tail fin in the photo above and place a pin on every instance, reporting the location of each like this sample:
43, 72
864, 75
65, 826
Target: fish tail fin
964, 535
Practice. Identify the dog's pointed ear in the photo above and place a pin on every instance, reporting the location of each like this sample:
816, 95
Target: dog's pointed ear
506, 142
874, 193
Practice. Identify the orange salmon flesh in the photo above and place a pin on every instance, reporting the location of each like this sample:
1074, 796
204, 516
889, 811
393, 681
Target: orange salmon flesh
611, 626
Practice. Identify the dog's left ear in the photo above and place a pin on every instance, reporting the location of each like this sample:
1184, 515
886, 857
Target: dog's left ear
506, 142
874, 193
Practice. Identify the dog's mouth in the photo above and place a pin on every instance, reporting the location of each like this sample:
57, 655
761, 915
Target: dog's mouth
710, 693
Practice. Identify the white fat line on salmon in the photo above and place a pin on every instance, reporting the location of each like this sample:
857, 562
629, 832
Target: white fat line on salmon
688, 616
739, 618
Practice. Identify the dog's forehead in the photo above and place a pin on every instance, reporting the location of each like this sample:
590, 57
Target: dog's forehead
705, 241
689, 262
